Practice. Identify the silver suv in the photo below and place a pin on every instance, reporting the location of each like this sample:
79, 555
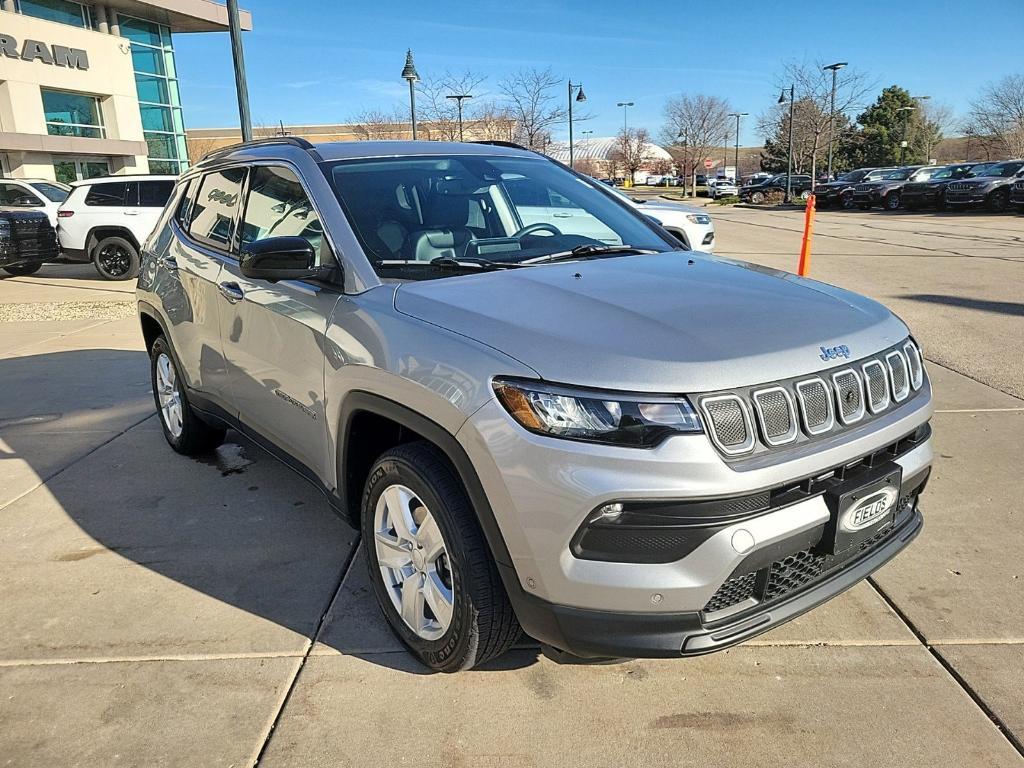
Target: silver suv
578, 429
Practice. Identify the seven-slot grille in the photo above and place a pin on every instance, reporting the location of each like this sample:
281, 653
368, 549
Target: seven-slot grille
782, 413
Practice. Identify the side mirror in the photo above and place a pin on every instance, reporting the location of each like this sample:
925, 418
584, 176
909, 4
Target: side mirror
282, 258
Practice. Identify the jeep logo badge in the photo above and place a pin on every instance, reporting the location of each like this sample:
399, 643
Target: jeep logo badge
832, 353
869, 511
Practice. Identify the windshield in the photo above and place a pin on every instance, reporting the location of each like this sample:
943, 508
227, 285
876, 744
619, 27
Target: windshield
853, 175
899, 174
52, 192
1003, 170
979, 170
488, 211
945, 173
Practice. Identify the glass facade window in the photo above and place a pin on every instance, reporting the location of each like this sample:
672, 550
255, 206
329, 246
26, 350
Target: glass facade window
72, 114
157, 87
61, 11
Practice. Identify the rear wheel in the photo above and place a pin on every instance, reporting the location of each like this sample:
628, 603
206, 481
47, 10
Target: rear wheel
22, 269
430, 566
116, 258
184, 431
757, 197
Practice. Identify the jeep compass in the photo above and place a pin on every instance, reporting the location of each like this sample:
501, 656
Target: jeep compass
543, 413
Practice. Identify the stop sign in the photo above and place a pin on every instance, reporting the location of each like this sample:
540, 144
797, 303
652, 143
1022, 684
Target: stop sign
709, 164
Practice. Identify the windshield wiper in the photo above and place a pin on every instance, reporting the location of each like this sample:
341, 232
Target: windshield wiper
447, 262
589, 249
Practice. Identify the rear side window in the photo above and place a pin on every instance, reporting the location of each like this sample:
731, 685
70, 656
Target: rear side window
107, 194
215, 208
181, 215
15, 194
155, 194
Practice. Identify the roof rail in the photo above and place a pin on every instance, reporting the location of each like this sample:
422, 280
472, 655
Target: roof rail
295, 141
509, 144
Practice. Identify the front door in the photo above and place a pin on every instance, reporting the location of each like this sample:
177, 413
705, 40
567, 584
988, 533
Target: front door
273, 333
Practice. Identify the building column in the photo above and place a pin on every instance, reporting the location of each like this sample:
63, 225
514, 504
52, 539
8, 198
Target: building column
101, 19
8, 5
115, 28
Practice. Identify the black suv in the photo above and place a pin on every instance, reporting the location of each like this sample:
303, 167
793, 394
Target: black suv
932, 192
991, 189
758, 193
888, 190
840, 191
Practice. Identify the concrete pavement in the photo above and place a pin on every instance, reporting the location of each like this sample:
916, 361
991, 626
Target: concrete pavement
164, 611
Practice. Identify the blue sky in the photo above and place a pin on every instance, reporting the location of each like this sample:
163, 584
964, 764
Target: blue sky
325, 62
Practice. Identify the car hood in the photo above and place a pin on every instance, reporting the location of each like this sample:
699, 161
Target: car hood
667, 205
673, 322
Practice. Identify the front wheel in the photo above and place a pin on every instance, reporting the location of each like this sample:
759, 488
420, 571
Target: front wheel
430, 566
116, 258
846, 200
805, 195
19, 270
999, 201
892, 201
757, 198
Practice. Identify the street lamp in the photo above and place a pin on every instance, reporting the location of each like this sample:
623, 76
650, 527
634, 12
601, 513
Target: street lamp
737, 115
459, 98
903, 144
789, 157
625, 106
409, 73
686, 140
580, 96
832, 114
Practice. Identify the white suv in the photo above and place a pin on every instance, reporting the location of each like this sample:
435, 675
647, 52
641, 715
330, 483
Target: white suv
34, 194
106, 220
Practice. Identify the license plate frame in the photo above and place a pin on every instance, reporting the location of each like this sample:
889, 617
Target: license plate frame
860, 508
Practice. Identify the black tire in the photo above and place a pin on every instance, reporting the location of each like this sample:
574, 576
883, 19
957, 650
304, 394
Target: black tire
846, 200
892, 201
483, 625
998, 201
806, 194
196, 436
757, 198
19, 270
116, 258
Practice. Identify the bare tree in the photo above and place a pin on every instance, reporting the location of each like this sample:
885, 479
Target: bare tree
440, 113
812, 87
492, 121
998, 114
374, 125
931, 121
534, 100
632, 149
698, 120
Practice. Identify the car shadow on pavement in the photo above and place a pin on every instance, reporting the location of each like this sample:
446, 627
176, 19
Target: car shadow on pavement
1012, 308
236, 525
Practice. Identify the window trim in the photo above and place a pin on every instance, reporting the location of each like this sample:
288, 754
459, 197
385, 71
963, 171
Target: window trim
101, 126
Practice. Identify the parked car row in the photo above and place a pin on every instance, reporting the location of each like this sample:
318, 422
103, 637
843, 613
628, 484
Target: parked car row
101, 221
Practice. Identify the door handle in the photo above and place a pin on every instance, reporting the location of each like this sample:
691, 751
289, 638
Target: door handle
232, 292
131, 213
170, 263
562, 215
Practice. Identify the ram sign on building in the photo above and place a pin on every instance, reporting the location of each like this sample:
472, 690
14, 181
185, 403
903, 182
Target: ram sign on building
90, 89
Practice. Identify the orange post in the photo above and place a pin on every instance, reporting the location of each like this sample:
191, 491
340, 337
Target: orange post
805, 247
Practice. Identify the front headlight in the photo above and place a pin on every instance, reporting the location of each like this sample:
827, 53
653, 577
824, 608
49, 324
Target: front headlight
595, 416
698, 218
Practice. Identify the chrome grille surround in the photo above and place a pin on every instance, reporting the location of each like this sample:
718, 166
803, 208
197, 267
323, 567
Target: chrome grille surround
913, 355
775, 415
815, 406
849, 396
899, 374
728, 423
876, 385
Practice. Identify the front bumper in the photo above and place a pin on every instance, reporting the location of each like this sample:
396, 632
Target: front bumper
954, 197
598, 634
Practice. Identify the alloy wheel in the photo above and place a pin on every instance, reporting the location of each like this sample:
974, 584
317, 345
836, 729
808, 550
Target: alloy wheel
169, 395
414, 562
115, 260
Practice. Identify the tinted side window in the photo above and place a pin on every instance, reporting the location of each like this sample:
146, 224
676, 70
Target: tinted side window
181, 215
277, 205
111, 193
14, 194
216, 204
155, 194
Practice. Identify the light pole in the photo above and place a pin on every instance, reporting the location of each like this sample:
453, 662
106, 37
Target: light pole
586, 144
903, 143
580, 96
459, 98
738, 115
238, 57
789, 156
686, 142
832, 113
625, 107
409, 73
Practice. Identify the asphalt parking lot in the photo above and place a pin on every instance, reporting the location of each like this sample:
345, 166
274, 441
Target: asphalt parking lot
160, 611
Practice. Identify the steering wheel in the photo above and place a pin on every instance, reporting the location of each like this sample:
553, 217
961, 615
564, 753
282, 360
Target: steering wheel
540, 226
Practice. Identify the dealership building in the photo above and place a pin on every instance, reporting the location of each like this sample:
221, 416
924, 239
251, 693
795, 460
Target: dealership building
90, 89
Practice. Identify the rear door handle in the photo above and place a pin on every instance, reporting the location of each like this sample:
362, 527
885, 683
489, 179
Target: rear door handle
131, 213
232, 292
562, 215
